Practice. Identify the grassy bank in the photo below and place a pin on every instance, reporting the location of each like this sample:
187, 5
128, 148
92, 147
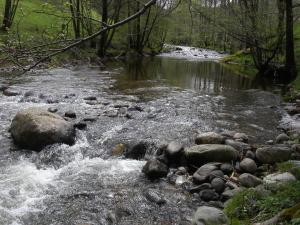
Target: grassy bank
36, 21
260, 204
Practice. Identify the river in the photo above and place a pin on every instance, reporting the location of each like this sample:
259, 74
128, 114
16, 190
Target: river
154, 100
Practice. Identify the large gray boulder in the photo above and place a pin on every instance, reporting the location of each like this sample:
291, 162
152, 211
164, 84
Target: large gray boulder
35, 128
209, 216
279, 178
209, 138
273, 154
201, 154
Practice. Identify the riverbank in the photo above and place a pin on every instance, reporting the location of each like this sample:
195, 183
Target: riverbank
253, 183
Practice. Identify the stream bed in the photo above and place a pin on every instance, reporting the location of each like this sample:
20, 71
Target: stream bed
156, 100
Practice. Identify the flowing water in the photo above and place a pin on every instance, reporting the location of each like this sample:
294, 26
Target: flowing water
155, 100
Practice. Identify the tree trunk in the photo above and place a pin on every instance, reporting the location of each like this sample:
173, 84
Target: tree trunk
7, 20
290, 63
103, 38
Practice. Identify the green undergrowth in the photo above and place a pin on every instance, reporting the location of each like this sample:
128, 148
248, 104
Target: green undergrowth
36, 22
251, 205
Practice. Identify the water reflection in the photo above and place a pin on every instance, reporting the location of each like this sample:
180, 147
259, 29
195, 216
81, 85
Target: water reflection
201, 76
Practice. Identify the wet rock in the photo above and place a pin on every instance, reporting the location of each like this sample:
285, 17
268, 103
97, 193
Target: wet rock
52, 110
273, 154
206, 215
118, 150
240, 146
218, 185
214, 174
90, 98
136, 108
227, 168
181, 171
52, 101
250, 155
138, 151
216, 204
208, 195
34, 128
197, 189
174, 152
270, 142
90, 119
228, 194
209, 138
292, 110
296, 148
248, 180
279, 178
202, 174
80, 125
28, 94
241, 137
228, 134
248, 165
155, 169
200, 154
3, 87
70, 114
281, 138
155, 197
10, 92
180, 180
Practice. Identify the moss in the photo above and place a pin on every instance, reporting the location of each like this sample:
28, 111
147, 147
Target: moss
285, 166
243, 206
251, 205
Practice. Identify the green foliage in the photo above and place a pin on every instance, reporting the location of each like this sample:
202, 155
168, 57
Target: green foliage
252, 205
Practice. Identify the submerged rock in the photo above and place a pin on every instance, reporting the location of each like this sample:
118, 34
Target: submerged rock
209, 216
35, 128
11, 92
273, 154
70, 114
155, 197
200, 154
155, 169
137, 151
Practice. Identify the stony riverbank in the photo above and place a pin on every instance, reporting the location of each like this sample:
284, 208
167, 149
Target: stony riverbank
214, 170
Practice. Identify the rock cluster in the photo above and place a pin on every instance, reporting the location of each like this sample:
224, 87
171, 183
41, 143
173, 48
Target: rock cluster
219, 166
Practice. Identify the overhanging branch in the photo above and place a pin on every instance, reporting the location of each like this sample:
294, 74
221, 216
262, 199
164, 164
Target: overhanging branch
98, 33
